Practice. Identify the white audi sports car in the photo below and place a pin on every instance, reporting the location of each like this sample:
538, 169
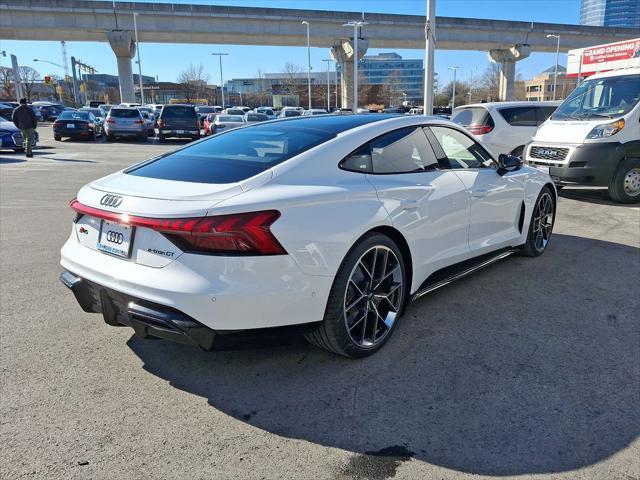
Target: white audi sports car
335, 222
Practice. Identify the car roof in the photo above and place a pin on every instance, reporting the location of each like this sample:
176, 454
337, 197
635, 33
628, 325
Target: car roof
615, 73
332, 124
511, 104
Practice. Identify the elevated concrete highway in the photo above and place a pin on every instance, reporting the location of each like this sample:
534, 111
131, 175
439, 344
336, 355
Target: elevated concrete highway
82, 20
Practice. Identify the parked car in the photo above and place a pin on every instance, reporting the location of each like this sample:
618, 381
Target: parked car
10, 136
130, 104
150, 122
79, 124
125, 122
105, 107
6, 110
316, 111
97, 112
504, 127
415, 111
203, 111
233, 218
180, 121
287, 113
593, 138
49, 111
255, 117
268, 111
95, 103
234, 111
223, 122
243, 108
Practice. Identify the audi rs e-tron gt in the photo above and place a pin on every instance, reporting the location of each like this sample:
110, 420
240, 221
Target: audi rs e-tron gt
336, 222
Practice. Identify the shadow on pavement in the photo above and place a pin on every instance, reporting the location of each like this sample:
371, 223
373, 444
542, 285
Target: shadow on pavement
16, 158
530, 366
592, 195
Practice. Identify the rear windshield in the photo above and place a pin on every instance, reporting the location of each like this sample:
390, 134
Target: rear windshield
256, 117
471, 116
205, 109
233, 156
235, 111
96, 111
74, 116
230, 118
122, 113
178, 112
291, 113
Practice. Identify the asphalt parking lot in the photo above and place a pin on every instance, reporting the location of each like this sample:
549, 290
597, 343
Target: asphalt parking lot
528, 369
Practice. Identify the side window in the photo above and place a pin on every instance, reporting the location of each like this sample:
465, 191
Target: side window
460, 150
519, 116
402, 151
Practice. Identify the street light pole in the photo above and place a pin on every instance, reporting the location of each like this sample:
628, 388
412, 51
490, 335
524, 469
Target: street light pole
555, 76
453, 99
429, 52
304, 22
135, 29
355, 24
219, 55
328, 84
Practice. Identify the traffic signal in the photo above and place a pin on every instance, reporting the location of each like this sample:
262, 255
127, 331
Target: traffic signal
47, 80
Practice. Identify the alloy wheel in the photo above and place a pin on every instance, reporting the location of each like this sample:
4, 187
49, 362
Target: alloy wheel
543, 221
631, 182
373, 296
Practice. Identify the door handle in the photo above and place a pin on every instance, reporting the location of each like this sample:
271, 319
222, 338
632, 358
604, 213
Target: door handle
409, 204
479, 192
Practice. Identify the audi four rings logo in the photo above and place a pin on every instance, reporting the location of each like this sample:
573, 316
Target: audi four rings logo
115, 237
111, 200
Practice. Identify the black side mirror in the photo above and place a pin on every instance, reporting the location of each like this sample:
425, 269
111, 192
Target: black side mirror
508, 163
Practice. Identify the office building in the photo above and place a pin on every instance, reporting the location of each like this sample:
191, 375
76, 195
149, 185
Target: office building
610, 13
402, 79
540, 88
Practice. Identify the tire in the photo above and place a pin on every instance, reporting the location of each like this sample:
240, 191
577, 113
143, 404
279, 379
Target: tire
625, 183
110, 138
365, 315
161, 138
539, 235
142, 137
57, 138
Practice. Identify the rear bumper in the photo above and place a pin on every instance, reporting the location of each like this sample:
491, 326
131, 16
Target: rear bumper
174, 133
221, 293
116, 132
146, 318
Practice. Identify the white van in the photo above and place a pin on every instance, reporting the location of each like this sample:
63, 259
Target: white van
593, 138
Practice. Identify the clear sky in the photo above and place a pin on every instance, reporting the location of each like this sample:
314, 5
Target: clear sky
167, 60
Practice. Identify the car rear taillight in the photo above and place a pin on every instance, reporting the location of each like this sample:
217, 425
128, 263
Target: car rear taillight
139, 122
479, 129
110, 120
238, 233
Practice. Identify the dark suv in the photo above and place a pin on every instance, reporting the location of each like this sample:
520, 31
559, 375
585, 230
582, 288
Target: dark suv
178, 121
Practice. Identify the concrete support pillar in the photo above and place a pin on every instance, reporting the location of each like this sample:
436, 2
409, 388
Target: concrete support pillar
343, 54
507, 58
124, 47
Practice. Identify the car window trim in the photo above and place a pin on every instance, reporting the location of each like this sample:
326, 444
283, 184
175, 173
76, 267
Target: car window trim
371, 172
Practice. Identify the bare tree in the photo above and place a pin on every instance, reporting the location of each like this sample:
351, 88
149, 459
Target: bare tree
194, 82
292, 78
28, 77
6, 82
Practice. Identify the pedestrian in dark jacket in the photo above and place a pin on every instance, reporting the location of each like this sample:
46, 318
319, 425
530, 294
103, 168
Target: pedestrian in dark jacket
24, 118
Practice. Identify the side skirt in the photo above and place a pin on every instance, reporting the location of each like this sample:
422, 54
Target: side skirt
455, 272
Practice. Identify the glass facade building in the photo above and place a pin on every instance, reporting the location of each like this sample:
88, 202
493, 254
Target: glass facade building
392, 70
610, 13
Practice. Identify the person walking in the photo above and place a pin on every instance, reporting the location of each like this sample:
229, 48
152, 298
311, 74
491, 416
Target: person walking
24, 118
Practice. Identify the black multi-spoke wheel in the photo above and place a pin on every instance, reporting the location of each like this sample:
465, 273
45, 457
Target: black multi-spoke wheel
372, 297
366, 299
541, 225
